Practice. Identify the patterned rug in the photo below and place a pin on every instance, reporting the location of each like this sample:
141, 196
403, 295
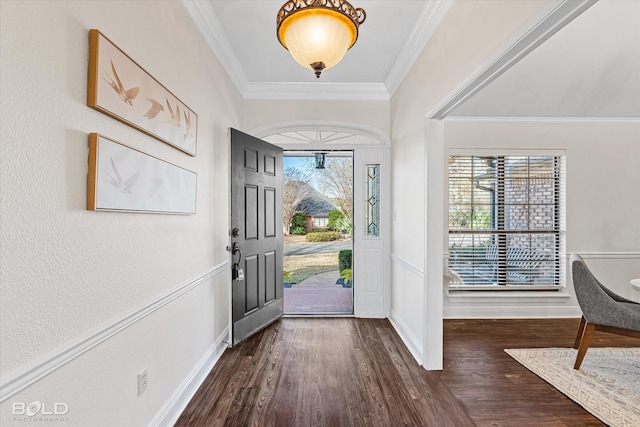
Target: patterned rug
607, 384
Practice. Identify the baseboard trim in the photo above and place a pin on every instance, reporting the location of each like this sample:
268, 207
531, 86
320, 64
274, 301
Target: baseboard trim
513, 312
403, 332
172, 410
21, 381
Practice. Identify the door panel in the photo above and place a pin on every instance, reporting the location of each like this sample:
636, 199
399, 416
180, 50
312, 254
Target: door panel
251, 285
256, 212
270, 260
270, 212
250, 212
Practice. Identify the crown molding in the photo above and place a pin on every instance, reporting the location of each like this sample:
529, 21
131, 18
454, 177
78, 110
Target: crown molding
318, 91
543, 25
204, 17
432, 14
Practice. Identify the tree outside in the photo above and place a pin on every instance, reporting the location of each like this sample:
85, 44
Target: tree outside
295, 190
336, 181
322, 200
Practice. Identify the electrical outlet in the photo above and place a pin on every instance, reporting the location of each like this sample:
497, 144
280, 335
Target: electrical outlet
142, 382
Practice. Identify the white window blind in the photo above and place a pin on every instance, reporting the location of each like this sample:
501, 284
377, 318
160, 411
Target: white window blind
505, 221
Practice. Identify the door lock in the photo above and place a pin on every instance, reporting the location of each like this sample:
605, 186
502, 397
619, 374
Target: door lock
237, 273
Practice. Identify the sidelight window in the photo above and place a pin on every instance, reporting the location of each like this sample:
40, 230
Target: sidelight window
373, 200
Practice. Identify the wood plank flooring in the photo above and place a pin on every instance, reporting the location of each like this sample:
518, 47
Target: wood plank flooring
357, 372
494, 389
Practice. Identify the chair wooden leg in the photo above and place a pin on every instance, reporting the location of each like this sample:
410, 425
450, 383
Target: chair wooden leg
583, 322
587, 335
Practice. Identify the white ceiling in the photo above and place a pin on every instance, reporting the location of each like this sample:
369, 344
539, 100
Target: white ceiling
257, 47
242, 33
590, 68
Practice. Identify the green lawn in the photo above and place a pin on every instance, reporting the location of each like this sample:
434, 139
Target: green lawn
302, 266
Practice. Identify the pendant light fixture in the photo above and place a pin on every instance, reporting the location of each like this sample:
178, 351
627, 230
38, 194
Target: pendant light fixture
318, 33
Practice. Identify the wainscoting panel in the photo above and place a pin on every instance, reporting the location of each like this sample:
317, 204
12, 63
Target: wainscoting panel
406, 314
17, 383
174, 408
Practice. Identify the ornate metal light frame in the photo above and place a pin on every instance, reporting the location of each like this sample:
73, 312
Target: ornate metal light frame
355, 15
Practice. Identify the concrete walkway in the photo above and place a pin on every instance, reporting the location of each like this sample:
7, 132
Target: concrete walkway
323, 279
319, 294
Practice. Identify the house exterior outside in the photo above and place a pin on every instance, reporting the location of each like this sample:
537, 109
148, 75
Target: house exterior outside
317, 208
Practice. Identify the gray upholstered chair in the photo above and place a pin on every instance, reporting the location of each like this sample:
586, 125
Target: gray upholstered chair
602, 309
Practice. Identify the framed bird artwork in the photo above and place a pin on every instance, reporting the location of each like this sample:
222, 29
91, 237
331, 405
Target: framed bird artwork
122, 89
121, 178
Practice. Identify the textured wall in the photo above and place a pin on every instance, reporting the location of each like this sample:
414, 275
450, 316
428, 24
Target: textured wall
67, 272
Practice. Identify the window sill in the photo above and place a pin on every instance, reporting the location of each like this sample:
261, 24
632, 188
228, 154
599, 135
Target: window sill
459, 294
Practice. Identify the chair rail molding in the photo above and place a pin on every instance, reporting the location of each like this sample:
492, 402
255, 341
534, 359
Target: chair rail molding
29, 376
408, 266
606, 255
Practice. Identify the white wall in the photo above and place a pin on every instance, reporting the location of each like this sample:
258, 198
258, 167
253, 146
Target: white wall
258, 113
603, 202
467, 36
70, 277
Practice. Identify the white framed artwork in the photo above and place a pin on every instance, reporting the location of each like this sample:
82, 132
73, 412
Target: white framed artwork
121, 178
122, 89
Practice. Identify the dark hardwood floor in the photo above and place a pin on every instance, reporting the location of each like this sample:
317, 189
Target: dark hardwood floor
357, 372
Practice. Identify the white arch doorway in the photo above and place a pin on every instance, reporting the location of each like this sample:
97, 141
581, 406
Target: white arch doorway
371, 198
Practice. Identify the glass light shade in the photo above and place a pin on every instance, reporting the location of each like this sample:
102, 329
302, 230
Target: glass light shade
317, 35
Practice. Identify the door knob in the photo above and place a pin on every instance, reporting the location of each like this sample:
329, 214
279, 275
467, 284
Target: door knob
237, 273
235, 250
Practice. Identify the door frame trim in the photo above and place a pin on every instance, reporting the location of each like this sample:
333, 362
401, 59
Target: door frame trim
371, 137
375, 139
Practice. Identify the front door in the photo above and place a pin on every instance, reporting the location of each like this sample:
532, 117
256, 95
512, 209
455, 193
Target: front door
256, 234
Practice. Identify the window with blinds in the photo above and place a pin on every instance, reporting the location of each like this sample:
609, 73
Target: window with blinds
505, 227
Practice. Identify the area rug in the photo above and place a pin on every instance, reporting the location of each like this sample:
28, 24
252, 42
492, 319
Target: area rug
607, 384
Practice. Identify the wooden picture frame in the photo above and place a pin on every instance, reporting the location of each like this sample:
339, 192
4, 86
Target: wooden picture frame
122, 89
121, 178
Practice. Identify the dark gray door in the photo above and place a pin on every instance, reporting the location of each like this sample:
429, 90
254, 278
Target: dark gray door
256, 234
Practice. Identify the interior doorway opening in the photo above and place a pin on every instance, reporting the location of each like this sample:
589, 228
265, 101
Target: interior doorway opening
318, 233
